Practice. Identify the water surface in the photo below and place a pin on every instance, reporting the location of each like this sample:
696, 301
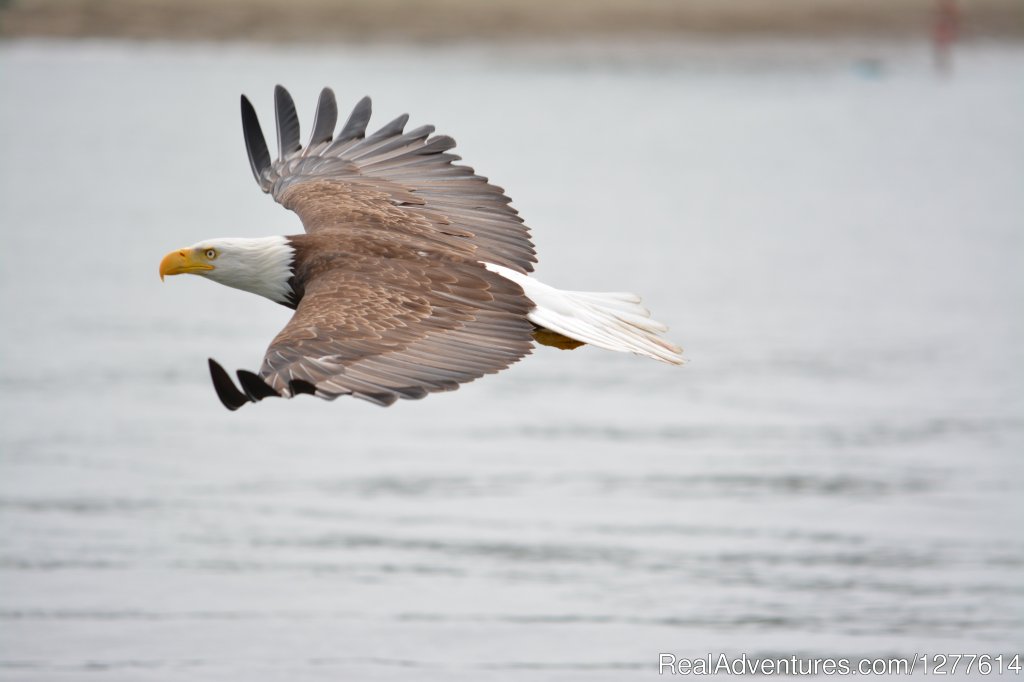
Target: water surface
834, 234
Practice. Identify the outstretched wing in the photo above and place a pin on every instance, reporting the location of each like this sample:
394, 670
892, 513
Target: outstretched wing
383, 329
393, 180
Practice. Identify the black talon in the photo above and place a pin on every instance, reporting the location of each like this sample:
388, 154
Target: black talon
228, 393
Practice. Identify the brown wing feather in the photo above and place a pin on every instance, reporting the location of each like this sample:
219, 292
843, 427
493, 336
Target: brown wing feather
397, 181
354, 207
382, 329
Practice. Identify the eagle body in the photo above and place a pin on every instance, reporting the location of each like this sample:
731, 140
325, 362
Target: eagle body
412, 276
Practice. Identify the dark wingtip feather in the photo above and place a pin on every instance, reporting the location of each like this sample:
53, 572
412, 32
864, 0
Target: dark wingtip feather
326, 118
255, 387
255, 143
437, 144
228, 393
413, 392
392, 129
384, 399
355, 126
299, 386
288, 136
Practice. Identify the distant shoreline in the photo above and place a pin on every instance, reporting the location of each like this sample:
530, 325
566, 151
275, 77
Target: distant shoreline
446, 21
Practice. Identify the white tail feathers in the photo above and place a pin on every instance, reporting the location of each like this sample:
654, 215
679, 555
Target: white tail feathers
612, 320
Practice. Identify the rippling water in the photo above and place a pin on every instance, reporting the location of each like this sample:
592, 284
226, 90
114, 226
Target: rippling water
834, 234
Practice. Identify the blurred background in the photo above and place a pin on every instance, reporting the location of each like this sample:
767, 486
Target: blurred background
334, 21
822, 198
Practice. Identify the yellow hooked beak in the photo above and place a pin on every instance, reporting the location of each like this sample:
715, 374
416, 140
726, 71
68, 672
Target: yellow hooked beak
183, 261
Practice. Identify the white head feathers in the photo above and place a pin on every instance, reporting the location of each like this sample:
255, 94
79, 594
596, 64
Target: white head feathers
261, 266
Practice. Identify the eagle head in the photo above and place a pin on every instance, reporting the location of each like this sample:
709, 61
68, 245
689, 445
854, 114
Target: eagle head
262, 266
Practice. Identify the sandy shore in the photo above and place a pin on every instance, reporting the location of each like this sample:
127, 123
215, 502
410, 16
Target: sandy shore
327, 21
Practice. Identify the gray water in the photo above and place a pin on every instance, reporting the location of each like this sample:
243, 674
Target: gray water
833, 233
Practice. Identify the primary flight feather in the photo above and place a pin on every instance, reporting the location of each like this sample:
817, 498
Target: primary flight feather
412, 276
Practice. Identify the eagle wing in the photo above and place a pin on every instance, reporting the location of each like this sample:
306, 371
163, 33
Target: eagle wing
383, 328
388, 329
403, 182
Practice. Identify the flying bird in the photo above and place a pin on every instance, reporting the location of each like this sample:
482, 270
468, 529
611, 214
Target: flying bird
412, 275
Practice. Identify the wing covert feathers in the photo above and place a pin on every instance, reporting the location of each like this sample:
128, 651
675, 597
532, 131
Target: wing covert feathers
387, 329
402, 182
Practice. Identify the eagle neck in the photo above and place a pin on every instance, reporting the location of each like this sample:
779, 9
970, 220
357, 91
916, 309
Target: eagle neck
275, 265
262, 266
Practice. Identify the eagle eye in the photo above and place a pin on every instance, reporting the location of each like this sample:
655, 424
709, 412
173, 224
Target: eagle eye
211, 254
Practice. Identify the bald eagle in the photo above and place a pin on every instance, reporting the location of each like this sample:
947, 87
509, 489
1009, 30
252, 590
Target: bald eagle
412, 276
